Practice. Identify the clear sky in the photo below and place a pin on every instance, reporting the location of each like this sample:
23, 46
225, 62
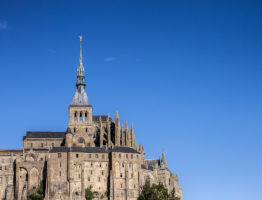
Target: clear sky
187, 74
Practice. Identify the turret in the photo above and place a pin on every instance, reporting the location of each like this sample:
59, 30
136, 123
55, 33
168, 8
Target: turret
117, 129
163, 160
127, 135
101, 132
123, 137
133, 138
108, 127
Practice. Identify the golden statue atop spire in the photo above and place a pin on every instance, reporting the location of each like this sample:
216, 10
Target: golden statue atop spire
80, 37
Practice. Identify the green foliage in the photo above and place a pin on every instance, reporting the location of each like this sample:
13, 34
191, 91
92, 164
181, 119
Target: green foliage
154, 192
37, 194
89, 194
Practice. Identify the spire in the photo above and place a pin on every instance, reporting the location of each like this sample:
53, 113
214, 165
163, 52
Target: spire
163, 160
80, 70
117, 117
80, 97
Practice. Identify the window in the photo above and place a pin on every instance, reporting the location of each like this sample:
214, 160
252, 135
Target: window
60, 174
41, 159
121, 185
86, 129
131, 156
137, 156
79, 176
91, 164
75, 117
103, 156
119, 155
121, 175
6, 179
86, 116
81, 118
3, 161
53, 144
0, 180
90, 155
134, 186
91, 172
60, 164
102, 172
100, 165
0, 168
77, 155
59, 155
96, 155
74, 129
42, 145
31, 145
132, 175
126, 155
5, 167
88, 178
123, 165
99, 179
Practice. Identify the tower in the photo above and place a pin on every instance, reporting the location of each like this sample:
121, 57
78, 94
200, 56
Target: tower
80, 111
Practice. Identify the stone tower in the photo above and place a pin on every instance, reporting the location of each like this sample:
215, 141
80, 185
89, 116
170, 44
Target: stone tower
80, 129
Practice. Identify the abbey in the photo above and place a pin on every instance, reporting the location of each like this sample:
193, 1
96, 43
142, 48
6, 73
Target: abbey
95, 150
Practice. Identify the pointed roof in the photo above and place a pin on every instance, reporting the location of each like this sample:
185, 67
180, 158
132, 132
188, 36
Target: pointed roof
163, 160
80, 97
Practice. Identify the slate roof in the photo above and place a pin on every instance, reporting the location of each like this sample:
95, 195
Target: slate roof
79, 149
124, 150
103, 117
80, 97
92, 150
44, 134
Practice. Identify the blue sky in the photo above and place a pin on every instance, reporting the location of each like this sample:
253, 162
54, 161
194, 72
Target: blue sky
187, 74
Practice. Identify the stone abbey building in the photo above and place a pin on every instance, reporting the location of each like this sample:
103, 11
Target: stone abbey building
93, 151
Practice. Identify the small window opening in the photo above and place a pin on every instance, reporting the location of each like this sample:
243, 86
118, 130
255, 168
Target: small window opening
59, 155
121, 175
86, 116
75, 117
77, 155
81, 118
42, 145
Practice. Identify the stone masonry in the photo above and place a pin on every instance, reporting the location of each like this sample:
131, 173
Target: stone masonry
94, 151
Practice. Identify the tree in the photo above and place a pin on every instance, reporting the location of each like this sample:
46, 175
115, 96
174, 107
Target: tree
89, 194
154, 192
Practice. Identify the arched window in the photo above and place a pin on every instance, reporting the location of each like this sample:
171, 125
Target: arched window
81, 117
85, 116
75, 116
74, 129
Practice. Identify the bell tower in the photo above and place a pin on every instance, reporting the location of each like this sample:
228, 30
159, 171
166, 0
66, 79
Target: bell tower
80, 128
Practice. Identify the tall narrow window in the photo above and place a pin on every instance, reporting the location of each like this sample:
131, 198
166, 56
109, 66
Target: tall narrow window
60, 173
85, 116
59, 155
81, 117
75, 117
53, 144
31, 145
42, 145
